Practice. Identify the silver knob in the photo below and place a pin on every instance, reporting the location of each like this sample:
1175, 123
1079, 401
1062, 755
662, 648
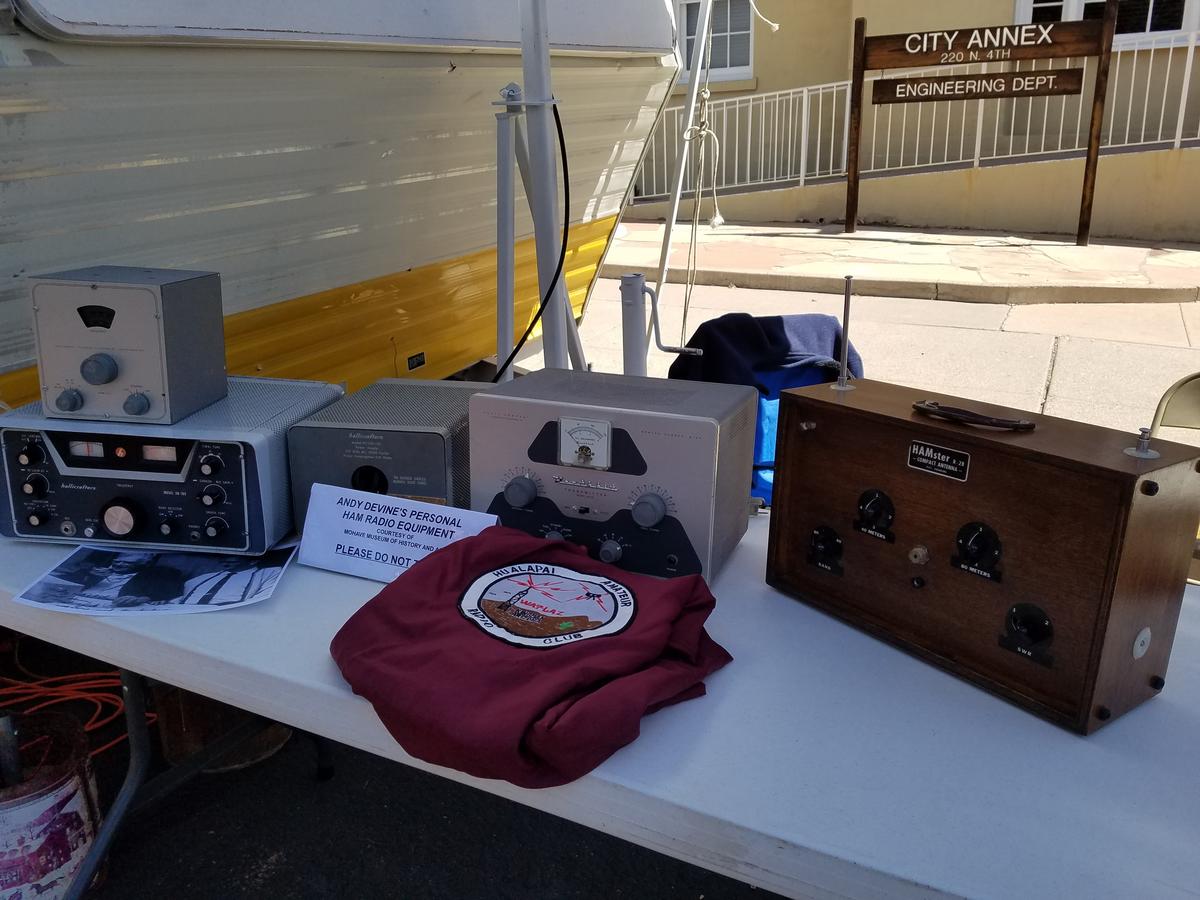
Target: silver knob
610, 551
649, 510
215, 527
119, 520
136, 405
521, 491
69, 400
99, 368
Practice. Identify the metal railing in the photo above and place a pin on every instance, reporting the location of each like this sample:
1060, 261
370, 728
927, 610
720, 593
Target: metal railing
795, 136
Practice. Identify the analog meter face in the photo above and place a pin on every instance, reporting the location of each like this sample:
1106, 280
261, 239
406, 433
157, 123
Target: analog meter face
584, 442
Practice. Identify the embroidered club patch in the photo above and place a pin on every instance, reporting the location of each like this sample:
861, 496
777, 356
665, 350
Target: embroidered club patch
540, 605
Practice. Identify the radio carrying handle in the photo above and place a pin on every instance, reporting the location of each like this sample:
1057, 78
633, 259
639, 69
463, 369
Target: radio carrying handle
968, 417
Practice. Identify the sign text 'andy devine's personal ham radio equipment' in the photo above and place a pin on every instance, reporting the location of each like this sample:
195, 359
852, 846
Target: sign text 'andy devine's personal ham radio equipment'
648, 474
116, 343
1041, 559
399, 436
217, 481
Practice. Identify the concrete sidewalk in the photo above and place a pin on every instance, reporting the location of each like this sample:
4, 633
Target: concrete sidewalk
1102, 363
968, 266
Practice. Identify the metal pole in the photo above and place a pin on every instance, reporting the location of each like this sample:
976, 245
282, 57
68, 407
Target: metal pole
843, 382
633, 324
505, 231
699, 49
543, 193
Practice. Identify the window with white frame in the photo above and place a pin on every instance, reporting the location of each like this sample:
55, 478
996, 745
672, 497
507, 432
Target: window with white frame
1134, 17
732, 38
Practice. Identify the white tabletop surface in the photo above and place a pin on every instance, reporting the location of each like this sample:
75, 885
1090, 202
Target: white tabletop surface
822, 762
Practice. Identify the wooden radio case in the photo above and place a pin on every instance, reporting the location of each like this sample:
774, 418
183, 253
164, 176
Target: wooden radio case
1045, 564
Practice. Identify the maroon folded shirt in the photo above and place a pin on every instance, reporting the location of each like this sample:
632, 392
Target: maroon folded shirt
509, 656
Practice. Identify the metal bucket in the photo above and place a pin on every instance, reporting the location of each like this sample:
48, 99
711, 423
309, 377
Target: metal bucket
48, 821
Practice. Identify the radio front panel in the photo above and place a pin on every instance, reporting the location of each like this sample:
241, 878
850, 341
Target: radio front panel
148, 491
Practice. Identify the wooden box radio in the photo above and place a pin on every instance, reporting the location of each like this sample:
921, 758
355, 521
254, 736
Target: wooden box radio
1042, 559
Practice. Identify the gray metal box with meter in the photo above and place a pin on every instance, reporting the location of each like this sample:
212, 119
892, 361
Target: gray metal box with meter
127, 344
649, 474
399, 436
217, 482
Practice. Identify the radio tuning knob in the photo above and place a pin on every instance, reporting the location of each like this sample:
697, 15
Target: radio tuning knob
212, 495
610, 551
166, 527
649, 510
215, 527
35, 486
99, 368
520, 491
978, 544
136, 404
875, 509
119, 518
30, 455
211, 465
38, 518
69, 400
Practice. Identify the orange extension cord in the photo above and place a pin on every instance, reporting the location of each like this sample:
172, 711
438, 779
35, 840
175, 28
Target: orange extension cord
101, 689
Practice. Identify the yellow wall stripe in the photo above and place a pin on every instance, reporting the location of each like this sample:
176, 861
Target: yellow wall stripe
362, 332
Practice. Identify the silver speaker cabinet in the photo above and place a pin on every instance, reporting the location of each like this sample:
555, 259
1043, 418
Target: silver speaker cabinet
651, 475
215, 482
399, 436
124, 344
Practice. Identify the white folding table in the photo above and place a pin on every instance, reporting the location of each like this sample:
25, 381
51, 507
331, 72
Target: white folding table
822, 762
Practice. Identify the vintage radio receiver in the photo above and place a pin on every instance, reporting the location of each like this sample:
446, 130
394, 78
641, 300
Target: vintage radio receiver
215, 482
125, 344
399, 436
651, 475
1041, 559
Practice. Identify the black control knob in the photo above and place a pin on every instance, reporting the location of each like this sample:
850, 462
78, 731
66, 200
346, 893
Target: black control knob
120, 518
211, 465
69, 400
1029, 626
136, 404
31, 455
38, 518
555, 536
521, 491
649, 510
213, 495
610, 551
978, 545
215, 527
876, 510
35, 486
825, 544
99, 368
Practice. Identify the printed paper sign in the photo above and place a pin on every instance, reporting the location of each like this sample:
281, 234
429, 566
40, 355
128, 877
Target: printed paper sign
378, 537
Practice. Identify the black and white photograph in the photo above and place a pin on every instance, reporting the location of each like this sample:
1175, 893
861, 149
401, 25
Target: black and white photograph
107, 583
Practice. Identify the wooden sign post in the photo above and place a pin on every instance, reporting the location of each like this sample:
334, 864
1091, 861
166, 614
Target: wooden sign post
1001, 43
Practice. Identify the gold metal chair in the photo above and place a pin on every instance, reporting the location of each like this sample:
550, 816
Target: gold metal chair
1180, 408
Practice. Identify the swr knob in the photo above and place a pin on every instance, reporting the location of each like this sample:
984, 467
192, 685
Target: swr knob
69, 400
649, 510
99, 368
521, 491
610, 551
136, 404
213, 495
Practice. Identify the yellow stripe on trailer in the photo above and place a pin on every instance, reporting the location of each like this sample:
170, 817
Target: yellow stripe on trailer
438, 318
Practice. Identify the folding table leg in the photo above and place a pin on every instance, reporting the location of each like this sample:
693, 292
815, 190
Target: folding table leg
324, 757
133, 690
